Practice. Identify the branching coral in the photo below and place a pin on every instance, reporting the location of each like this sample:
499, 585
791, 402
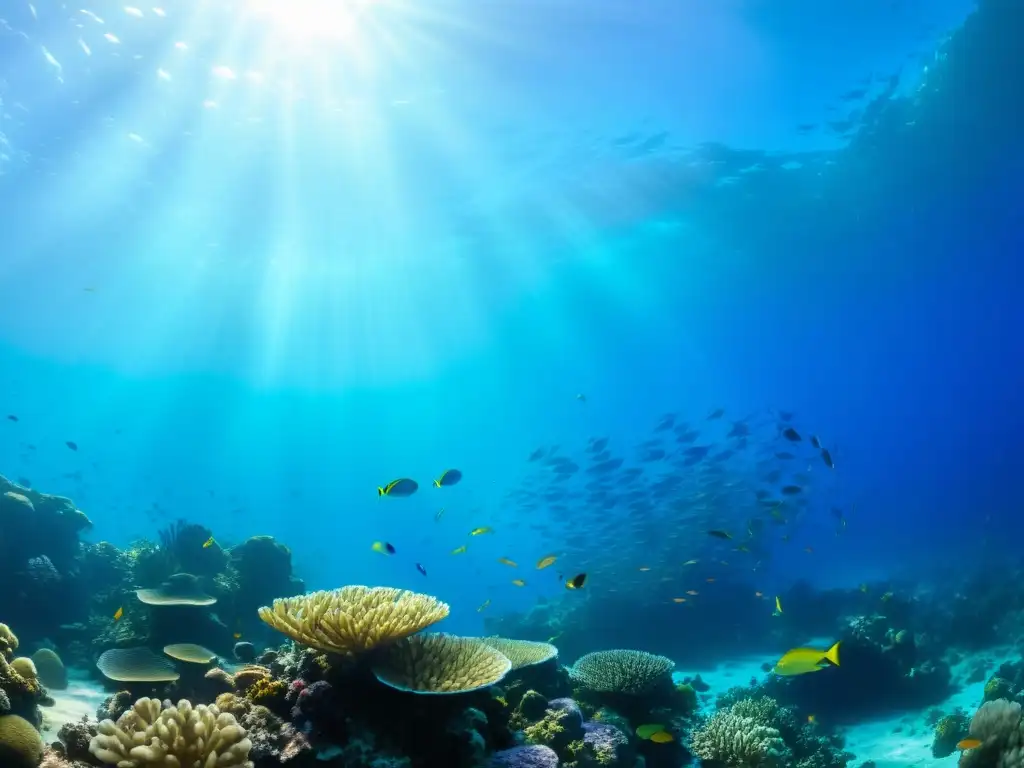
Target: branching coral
354, 619
147, 736
743, 742
620, 671
440, 663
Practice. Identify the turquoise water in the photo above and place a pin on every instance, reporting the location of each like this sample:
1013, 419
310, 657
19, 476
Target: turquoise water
258, 263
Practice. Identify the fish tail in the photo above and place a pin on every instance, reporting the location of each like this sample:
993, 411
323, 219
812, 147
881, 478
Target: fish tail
832, 654
380, 491
437, 483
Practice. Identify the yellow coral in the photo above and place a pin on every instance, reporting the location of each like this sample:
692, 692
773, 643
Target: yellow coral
25, 667
523, 653
248, 676
440, 663
8, 641
266, 690
20, 743
354, 619
147, 736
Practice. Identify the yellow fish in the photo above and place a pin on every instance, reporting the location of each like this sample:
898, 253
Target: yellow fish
459, 550
119, 613
576, 582
800, 661
482, 530
646, 731
484, 605
506, 561
662, 737
778, 607
544, 562
519, 582
208, 543
237, 635
382, 547
678, 599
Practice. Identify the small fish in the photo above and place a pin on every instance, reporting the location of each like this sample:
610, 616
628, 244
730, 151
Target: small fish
519, 582
438, 515
716, 414
678, 599
778, 607
692, 592
791, 434
119, 613
644, 568
759, 594
691, 562
421, 569
459, 550
718, 534
582, 398
506, 561
544, 562
711, 580
646, 731
399, 488
12, 417
577, 581
448, 477
800, 661
382, 547
208, 543
484, 605
72, 445
812, 719
887, 597
816, 442
481, 531
827, 458
965, 744
237, 635
809, 550
662, 737
791, 490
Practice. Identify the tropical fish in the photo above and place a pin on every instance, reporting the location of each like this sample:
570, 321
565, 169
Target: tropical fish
678, 599
447, 478
800, 661
692, 592
718, 534
778, 607
791, 490
11, 417
691, 562
577, 581
662, 737
965, 744
438, 515
208, 543
826, 456
119, 613
791, 434
72, 445
506, 561
484, 605
459, 550
421, 569
544, 562
646, 731
815, 441
399, 488
519, 582
482, 530
716, 414
382, 547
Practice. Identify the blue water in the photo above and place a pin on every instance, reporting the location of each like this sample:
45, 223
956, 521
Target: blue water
257, 276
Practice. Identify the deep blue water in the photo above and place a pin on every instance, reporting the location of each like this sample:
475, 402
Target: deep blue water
412, 248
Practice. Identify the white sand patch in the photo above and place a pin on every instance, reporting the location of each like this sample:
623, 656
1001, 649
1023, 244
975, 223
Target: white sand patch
82, 696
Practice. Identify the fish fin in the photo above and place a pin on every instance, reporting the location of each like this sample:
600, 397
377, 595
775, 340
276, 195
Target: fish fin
437, 483
832, 655
380, 491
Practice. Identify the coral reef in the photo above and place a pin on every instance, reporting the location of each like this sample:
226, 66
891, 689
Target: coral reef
997, 725
440, 663
621, 671
949, 730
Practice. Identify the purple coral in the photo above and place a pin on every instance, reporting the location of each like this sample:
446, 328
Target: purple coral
573, 717
607, 740
535, 756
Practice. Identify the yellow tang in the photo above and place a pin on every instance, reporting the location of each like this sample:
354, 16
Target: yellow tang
208, 543
662, 737
119, 613
383, 548
482, 530
459, 550
399, 488
800, 661
544, 562
506, 561
519, 582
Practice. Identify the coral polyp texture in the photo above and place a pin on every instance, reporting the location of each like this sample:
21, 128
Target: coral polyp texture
621, 671
997, 725
355, 619
522, 653
730, 739
440, 663
151, 736
136, 665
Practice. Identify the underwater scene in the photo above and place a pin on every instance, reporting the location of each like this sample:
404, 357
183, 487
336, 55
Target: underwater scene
511, 384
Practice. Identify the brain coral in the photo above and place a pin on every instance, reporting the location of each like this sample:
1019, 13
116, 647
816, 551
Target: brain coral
620, 671
354, 619
147, 736
440, 663
20, 743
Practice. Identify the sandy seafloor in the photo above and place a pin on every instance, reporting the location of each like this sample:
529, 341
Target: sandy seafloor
898, 740
901, 740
